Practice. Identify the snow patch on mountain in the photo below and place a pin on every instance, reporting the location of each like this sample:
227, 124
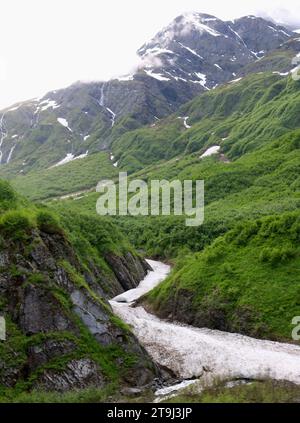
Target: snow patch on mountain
10, 154
157, 76
113, 116
233, 81
64, 123
202, 78
69, 158
190, 50
47, 104
185, 119
194, 21
129, 77
218, 66
211, 151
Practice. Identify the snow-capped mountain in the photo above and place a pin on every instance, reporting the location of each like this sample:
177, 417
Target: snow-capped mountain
202, 49
193, 54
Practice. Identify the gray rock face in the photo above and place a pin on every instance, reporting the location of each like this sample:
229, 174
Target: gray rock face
48, 306
94, 318
77, 374
128, 270
50, 349
203, 50
40, 312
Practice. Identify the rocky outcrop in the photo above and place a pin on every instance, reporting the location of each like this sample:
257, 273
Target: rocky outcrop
129, 270
60, 328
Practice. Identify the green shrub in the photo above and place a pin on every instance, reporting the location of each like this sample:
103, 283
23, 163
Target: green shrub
48, 222
16, 224
275, 256
7, 195
36, 278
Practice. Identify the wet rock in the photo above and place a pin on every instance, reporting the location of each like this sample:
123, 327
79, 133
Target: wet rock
9, 375
78, 374
92, 316
129, 270
41, 312
39, 355
40, 297
132, 392
4, 259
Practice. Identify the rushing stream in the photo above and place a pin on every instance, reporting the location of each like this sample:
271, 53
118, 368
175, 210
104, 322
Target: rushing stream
192, 352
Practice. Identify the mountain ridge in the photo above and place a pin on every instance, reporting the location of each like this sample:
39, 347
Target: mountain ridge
86, 118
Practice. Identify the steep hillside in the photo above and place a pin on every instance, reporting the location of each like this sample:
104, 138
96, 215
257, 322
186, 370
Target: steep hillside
238, 117
246, 282
55, 279
254, 173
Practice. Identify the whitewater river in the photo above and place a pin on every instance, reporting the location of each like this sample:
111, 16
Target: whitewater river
203, 354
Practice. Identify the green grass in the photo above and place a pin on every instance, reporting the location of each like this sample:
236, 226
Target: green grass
76, 176
247, 281
255, 392
240, 117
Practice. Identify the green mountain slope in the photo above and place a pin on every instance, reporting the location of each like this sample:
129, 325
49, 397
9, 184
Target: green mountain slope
73, 177
256, 174
239, 117
247, 281
56, 275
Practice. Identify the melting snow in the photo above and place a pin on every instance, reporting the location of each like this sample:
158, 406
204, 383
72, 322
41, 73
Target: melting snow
281, 73
69, 158
212, 150
125, 78
64, 123
157, 50
185, 122
190, 50
238, 36
10, 154
218, 66
157, 76
47, 104
193, 19
233, 81
187, 350
113, 116
202, 81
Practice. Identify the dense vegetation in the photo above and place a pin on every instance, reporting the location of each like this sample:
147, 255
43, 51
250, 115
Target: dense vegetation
240, 117
247, 281
75, 176
239, 271
52, 256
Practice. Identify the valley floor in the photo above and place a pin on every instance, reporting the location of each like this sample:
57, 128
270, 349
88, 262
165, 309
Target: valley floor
204, 355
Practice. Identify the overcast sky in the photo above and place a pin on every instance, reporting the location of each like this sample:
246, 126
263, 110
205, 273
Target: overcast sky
48, 44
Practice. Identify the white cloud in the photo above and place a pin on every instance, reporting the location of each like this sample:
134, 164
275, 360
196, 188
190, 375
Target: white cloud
3, 69
51, 43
